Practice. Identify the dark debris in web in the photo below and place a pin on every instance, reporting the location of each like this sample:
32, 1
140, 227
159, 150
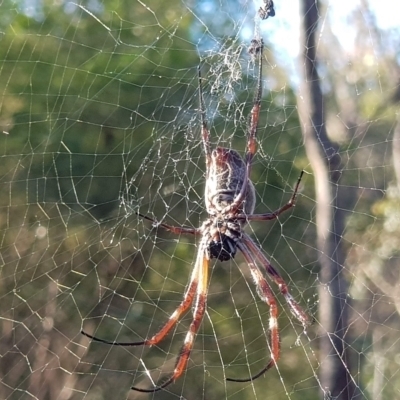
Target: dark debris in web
267, 10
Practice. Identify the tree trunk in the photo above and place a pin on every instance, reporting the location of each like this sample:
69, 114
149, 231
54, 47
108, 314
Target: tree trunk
335, 373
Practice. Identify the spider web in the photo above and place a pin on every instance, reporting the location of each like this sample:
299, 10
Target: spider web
99, 121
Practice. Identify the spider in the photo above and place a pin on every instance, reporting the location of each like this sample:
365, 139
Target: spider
230, 202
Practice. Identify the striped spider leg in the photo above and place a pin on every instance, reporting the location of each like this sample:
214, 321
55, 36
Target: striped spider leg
230, 202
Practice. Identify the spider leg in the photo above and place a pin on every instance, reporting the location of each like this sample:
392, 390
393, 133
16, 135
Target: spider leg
251, 137
205, 134
265, 293
201, 271
173, 319
276, 213
255, 114
177, 230
295, 308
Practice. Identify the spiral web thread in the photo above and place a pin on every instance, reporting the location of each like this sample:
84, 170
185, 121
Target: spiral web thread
99, 121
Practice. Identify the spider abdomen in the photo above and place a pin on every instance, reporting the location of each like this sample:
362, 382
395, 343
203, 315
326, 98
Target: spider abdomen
225, 179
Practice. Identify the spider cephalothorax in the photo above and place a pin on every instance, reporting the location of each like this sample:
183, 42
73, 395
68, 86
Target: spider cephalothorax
222, 248
230, 201
223, 236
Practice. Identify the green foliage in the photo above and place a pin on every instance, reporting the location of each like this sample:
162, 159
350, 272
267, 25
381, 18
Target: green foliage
97, 106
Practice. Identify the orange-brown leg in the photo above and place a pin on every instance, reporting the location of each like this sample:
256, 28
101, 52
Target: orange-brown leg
255, 113
295, 308
202, 264
279, 211
174, 229
251, 138
205, 134
160, 335
265, 293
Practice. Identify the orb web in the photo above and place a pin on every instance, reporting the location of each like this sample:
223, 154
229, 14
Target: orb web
100, 121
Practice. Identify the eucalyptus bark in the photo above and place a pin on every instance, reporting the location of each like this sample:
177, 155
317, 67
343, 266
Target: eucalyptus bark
334, 371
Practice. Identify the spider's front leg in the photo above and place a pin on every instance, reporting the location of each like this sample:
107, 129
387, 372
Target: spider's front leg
182, 308
166, 328
199, 309
252, 254
197, 289
295, 307
265, 293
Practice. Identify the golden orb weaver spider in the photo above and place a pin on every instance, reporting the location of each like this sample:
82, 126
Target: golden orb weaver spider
230, 202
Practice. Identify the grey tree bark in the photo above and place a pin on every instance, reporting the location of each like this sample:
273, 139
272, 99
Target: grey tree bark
335, 371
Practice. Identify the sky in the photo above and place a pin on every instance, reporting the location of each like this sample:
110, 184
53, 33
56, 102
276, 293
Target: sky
284, 27
339, 11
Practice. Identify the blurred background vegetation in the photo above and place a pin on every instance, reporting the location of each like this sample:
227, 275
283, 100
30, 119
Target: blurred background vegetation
99, 120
